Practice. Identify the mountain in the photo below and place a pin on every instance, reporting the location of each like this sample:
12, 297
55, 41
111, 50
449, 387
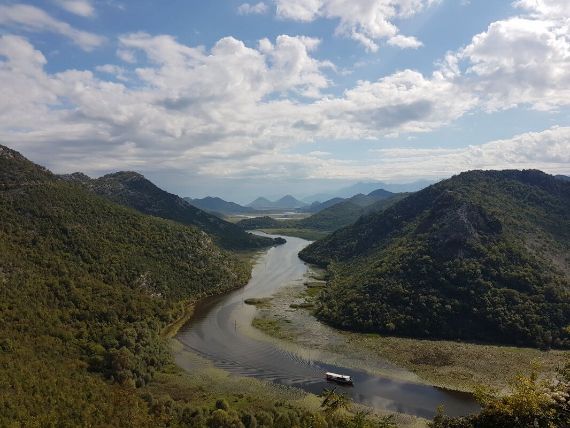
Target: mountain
218, 205
563, 177
482, 256
264, 222
380, 194
367, 187
86, 287
261, 203
287, 202
135, 191
315, 207
348, 211
332, 218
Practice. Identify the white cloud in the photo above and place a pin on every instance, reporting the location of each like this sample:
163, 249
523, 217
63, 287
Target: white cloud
548, 150
237, 111
252, 9
405, 42
546, 8
190, 108
366, 21
520, 61
31, 18
77, 7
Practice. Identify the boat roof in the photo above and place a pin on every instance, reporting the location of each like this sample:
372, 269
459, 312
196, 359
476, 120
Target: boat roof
337, 375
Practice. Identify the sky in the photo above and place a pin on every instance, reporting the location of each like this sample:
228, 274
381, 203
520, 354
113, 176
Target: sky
240, 100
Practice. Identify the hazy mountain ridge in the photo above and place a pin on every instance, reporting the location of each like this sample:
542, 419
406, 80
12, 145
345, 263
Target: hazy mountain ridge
135, 191
218, 205
315, 207
331, 218
348, 211
287, 202
366, 188
481, 256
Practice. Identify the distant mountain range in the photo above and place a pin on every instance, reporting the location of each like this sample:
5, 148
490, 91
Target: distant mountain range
349, 210
218, 205
365, 188
482, 256
328, 219
287, 202
135, 191
319, 206
563, 177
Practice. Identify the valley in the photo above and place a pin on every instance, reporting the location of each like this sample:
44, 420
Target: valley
112, 287
221, 331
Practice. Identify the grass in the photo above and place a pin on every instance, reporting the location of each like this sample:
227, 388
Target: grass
315, 284
304, 305
453, 365
258, 302
460, 366
272, 327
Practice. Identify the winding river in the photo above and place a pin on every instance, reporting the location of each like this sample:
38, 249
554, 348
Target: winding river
220, 331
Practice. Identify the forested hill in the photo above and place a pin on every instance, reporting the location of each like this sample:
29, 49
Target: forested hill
348, 211
133, 190
481, 256
85, 288
218, 205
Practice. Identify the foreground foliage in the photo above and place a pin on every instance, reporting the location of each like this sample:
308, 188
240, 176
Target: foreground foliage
532, 403
482, 256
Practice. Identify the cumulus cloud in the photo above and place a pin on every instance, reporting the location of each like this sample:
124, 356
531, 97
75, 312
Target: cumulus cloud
184, 106
520, 61
237, 110
405, 42
252, 9
31, 18
77, 7
365, 21
548, 150
546, 8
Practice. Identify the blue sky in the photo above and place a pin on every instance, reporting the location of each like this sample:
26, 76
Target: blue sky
271, 97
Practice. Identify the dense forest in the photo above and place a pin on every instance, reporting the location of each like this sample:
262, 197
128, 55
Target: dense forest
482, 256
86, 287
133, 190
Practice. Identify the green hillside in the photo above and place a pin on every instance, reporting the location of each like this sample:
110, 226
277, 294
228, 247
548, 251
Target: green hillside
482, 256
135, 191
347, 212
85, 288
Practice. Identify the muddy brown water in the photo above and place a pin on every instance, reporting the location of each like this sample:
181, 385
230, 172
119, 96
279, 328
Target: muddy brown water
219, 329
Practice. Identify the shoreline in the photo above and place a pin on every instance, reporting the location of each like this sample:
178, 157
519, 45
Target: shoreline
453, 366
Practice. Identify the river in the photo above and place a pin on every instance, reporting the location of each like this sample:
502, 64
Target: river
220, 330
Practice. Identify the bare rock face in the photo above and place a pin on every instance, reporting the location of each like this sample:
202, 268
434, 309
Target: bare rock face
17, 171
457, 226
